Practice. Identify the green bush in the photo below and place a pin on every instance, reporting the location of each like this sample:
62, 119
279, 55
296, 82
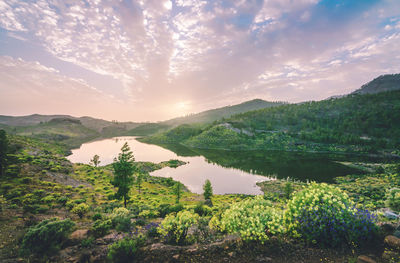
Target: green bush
322, 214
393, 199
47, 236
202, 210
175, 227
121, 219
97, 216
80, 210
125, 250
101, 227
253, 219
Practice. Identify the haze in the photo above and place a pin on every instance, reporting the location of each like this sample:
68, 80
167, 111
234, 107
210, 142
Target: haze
154, 60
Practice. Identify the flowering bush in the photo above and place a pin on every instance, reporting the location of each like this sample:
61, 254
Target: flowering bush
175, 227
322, 214
253, 219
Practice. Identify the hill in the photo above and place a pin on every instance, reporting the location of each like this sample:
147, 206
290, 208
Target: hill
363, 123
224, 112
380, 84
203, 118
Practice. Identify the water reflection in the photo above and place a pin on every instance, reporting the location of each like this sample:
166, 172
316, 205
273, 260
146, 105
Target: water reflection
228, 171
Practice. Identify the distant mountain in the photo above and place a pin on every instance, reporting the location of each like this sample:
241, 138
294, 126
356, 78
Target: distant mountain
380, 84
224, 112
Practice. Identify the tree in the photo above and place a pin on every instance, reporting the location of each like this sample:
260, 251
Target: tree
3, 151
208, 191
124, 168
95, 161
177, 191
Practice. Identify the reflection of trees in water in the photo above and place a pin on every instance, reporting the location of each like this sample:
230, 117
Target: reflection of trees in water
296, 165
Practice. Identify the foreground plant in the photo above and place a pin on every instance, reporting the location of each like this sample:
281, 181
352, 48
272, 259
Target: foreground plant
253, 219
175, 227
47, 236
323, 215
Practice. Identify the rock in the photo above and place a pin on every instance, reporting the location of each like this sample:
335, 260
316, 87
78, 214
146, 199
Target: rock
391, 215
176, 256
230, 254
365, 259
393, 242
79, 235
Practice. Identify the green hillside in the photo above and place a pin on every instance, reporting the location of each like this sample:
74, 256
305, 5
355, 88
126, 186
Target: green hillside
224, 112
380, 84
364, 123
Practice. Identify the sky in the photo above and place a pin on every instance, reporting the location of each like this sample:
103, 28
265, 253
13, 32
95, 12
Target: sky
152, 60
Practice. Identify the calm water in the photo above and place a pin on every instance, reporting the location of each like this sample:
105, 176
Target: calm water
229, 172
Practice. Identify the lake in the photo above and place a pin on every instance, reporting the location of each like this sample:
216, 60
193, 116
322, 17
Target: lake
229, 172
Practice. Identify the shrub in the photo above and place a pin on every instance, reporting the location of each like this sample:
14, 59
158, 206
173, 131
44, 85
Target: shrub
202, 210
324, 215
175, 227
393, 199
97, 216
125, 250
152, 230
47, 236
121, 219
149, 214
252, 218
101, 227
80, 210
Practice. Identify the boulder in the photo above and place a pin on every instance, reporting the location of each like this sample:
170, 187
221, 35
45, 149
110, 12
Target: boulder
393, 242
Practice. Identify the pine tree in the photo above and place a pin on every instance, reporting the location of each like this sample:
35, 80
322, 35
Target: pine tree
124, 169
208, 191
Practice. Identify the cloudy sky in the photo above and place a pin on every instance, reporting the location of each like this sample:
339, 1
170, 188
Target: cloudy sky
149, 60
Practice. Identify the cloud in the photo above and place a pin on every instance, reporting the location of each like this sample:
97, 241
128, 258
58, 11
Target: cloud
212, 53
28, 87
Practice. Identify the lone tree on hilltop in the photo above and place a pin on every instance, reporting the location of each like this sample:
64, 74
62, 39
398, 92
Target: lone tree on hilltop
124, 168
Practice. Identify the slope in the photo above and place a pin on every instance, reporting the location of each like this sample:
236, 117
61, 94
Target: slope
363, 123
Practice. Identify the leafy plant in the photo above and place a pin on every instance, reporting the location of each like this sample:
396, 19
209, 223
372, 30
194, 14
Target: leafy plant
80, 210
101, 227
125, 250
393, 199
253, 219
324, 215
47, 236
175, 227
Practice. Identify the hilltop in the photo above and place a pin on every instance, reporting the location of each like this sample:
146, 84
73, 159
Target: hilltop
380, 84
359, 122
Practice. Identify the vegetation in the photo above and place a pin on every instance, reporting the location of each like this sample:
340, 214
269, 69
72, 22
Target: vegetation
47, 236
175, 227
208, 191
3, 151
95, 161
125, 250
44, 197
354, 123
123, 170
253, 219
